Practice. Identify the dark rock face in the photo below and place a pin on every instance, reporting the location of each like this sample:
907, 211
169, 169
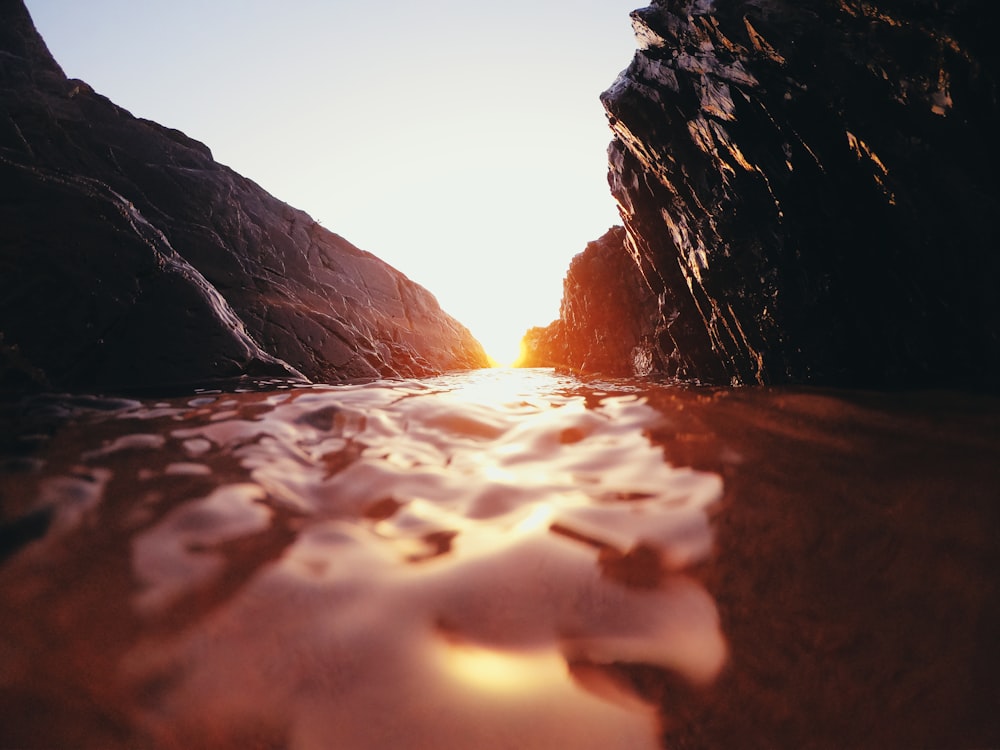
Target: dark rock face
811, 188
128, 257
605, 307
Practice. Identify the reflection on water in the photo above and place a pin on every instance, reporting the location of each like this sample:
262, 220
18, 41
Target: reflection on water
444, 563
498, 559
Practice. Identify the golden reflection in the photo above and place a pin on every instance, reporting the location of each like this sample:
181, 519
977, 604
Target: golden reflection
540, 517
467, 554
504, 672
531, 576
505, 393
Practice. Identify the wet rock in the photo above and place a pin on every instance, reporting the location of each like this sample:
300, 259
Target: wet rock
811, 188
602, 318
129, 257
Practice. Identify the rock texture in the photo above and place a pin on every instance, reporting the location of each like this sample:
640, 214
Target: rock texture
129, 257
810, 188
601, 325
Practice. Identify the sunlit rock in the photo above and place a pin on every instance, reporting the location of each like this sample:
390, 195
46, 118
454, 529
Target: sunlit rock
810, 189
128, 256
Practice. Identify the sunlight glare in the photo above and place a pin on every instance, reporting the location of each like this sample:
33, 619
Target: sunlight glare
497, 179
502, 344
538, 519
501, 672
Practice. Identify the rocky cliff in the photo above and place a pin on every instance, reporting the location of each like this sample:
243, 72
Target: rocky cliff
129, 257
810, 189
601, 325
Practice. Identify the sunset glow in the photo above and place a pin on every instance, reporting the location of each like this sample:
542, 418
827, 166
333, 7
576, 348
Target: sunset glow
463, 143
503, 348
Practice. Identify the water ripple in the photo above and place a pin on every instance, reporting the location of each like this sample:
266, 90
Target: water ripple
445, 563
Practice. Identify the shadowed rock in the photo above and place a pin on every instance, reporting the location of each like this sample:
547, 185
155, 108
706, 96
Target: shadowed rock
604, 309
129, 257
810, 189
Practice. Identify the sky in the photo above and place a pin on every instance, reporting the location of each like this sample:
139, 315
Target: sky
462, 142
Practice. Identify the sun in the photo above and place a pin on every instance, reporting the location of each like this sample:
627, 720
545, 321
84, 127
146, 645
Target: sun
503, 348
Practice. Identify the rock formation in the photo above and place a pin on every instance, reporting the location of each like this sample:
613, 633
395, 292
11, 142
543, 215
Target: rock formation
129, 257
601, 319
810, 189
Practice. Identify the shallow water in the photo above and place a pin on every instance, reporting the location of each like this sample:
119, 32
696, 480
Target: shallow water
500, 559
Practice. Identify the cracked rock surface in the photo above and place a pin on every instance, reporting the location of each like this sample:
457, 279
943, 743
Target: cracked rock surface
809, 189
129, 257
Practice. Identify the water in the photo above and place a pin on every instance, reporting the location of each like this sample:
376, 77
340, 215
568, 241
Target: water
500, 559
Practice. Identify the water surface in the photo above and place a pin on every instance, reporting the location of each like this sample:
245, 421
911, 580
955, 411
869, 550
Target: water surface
500, 559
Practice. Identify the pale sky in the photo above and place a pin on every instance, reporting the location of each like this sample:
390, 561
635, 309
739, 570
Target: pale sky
460, 141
